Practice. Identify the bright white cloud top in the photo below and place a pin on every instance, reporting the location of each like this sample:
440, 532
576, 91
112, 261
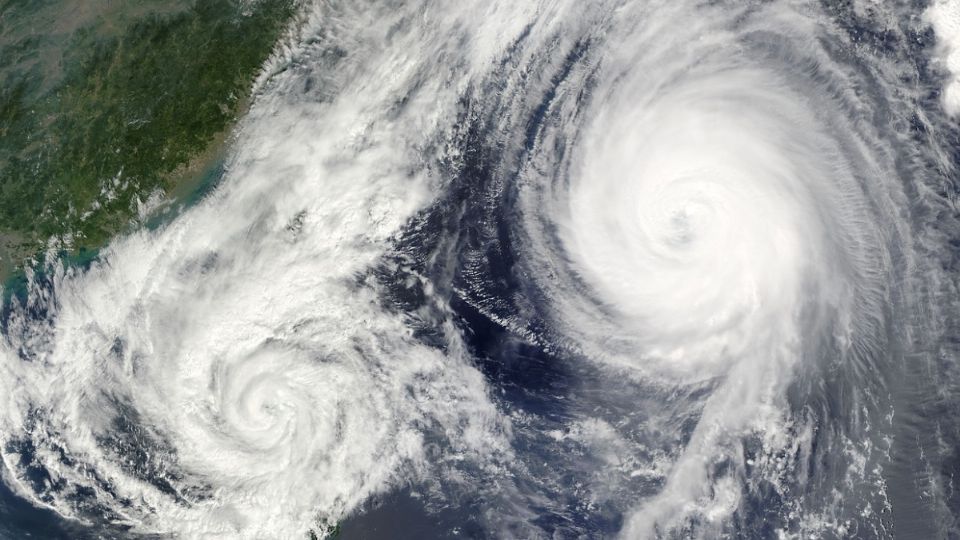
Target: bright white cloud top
553, 268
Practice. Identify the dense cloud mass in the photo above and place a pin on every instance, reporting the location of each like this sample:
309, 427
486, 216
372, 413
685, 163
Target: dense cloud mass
546, 269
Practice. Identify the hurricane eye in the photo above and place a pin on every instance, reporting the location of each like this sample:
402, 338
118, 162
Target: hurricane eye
631, 269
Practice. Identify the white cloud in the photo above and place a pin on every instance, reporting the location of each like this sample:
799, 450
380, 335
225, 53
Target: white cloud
944, 17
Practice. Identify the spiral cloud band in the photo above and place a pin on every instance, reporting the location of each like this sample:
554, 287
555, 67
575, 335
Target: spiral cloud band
550, 269
722, 230
227, 375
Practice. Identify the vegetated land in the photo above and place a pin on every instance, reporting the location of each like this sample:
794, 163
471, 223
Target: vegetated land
104, 102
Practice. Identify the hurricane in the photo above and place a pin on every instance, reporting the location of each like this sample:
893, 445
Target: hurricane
543, 269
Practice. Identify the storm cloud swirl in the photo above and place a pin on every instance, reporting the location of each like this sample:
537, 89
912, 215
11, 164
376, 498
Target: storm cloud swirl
534, 269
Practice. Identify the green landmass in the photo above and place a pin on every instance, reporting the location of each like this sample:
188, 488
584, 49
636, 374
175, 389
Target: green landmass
104, 102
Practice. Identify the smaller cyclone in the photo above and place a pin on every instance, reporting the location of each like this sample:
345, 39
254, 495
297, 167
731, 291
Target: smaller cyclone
275, 420
281, 430
236, 373
268, 400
